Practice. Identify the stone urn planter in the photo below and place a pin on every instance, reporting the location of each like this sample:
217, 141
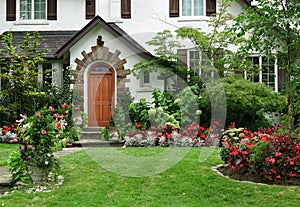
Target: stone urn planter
38, 174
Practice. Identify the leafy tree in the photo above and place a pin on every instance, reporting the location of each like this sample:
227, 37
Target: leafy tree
272, 29
20, 88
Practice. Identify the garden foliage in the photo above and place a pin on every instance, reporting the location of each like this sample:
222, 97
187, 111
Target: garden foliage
270, 153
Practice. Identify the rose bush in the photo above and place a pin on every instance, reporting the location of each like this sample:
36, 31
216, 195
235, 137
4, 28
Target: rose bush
38, 137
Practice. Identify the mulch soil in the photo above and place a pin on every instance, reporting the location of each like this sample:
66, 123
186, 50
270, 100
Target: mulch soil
247, 176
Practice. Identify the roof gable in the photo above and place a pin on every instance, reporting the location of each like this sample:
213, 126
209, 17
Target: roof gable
113, 29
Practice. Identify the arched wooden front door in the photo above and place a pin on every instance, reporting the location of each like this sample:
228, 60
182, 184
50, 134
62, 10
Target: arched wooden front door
101, 87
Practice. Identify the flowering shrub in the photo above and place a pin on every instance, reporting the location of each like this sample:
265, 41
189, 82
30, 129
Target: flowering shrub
38, 135
237, 144
269, 153
168, 135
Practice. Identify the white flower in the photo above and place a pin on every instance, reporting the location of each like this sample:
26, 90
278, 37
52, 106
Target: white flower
46, 162
49, 155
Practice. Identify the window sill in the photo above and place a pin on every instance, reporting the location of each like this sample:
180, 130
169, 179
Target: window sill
145, 89
192, 18
31, 22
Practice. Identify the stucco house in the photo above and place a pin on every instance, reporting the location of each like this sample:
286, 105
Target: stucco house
104, 39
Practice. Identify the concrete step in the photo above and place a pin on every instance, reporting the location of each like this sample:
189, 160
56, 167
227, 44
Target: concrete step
91, 133
85, 143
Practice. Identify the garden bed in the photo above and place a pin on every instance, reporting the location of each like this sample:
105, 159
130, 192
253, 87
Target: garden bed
247, 176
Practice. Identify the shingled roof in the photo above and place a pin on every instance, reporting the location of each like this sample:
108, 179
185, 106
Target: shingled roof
50, 40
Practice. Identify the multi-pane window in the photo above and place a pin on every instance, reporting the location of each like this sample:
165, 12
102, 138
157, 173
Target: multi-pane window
267, 71
192, 7
32, 9
199, 64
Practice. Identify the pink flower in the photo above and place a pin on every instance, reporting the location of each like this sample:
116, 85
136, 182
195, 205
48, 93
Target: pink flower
21, 129
29, 156
77, 107
51, 108
44, 132
277, 154
277, 176
64, 105
38, 114
23, 147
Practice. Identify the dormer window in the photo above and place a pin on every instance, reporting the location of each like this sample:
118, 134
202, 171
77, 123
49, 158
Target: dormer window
32, 9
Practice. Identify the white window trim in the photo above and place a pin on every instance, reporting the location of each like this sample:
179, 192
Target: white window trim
260, 71
142, 83
188, 62
182, 18
31, 21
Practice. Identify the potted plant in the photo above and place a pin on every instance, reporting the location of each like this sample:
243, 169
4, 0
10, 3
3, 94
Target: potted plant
37, 137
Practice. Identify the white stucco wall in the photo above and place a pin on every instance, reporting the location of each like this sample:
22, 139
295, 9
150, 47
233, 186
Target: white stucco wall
114, 44
148, 17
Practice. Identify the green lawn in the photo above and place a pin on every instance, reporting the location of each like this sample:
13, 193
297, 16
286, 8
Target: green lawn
188, 183
5, 151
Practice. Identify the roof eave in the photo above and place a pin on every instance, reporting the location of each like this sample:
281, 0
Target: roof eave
99, 21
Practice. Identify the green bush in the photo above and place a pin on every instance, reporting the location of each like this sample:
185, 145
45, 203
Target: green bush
246, 103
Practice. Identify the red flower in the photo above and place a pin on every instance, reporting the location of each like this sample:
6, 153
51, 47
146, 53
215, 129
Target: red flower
6, 129
293, 175
270, 160
58, 125
137, 125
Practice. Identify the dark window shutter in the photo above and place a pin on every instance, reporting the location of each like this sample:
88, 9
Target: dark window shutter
183, 61
182, 56
52, 9
90, 8
174, 8
126, 9
10, 10
282, 76
211, 7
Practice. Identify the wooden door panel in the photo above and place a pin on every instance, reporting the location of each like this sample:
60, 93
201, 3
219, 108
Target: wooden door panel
101, 88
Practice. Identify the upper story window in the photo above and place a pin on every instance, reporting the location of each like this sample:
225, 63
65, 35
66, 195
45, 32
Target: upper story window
32, 9
190, 8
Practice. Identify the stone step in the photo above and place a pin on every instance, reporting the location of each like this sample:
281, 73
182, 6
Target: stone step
5, 180
91, 133
92, 129
85, 143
